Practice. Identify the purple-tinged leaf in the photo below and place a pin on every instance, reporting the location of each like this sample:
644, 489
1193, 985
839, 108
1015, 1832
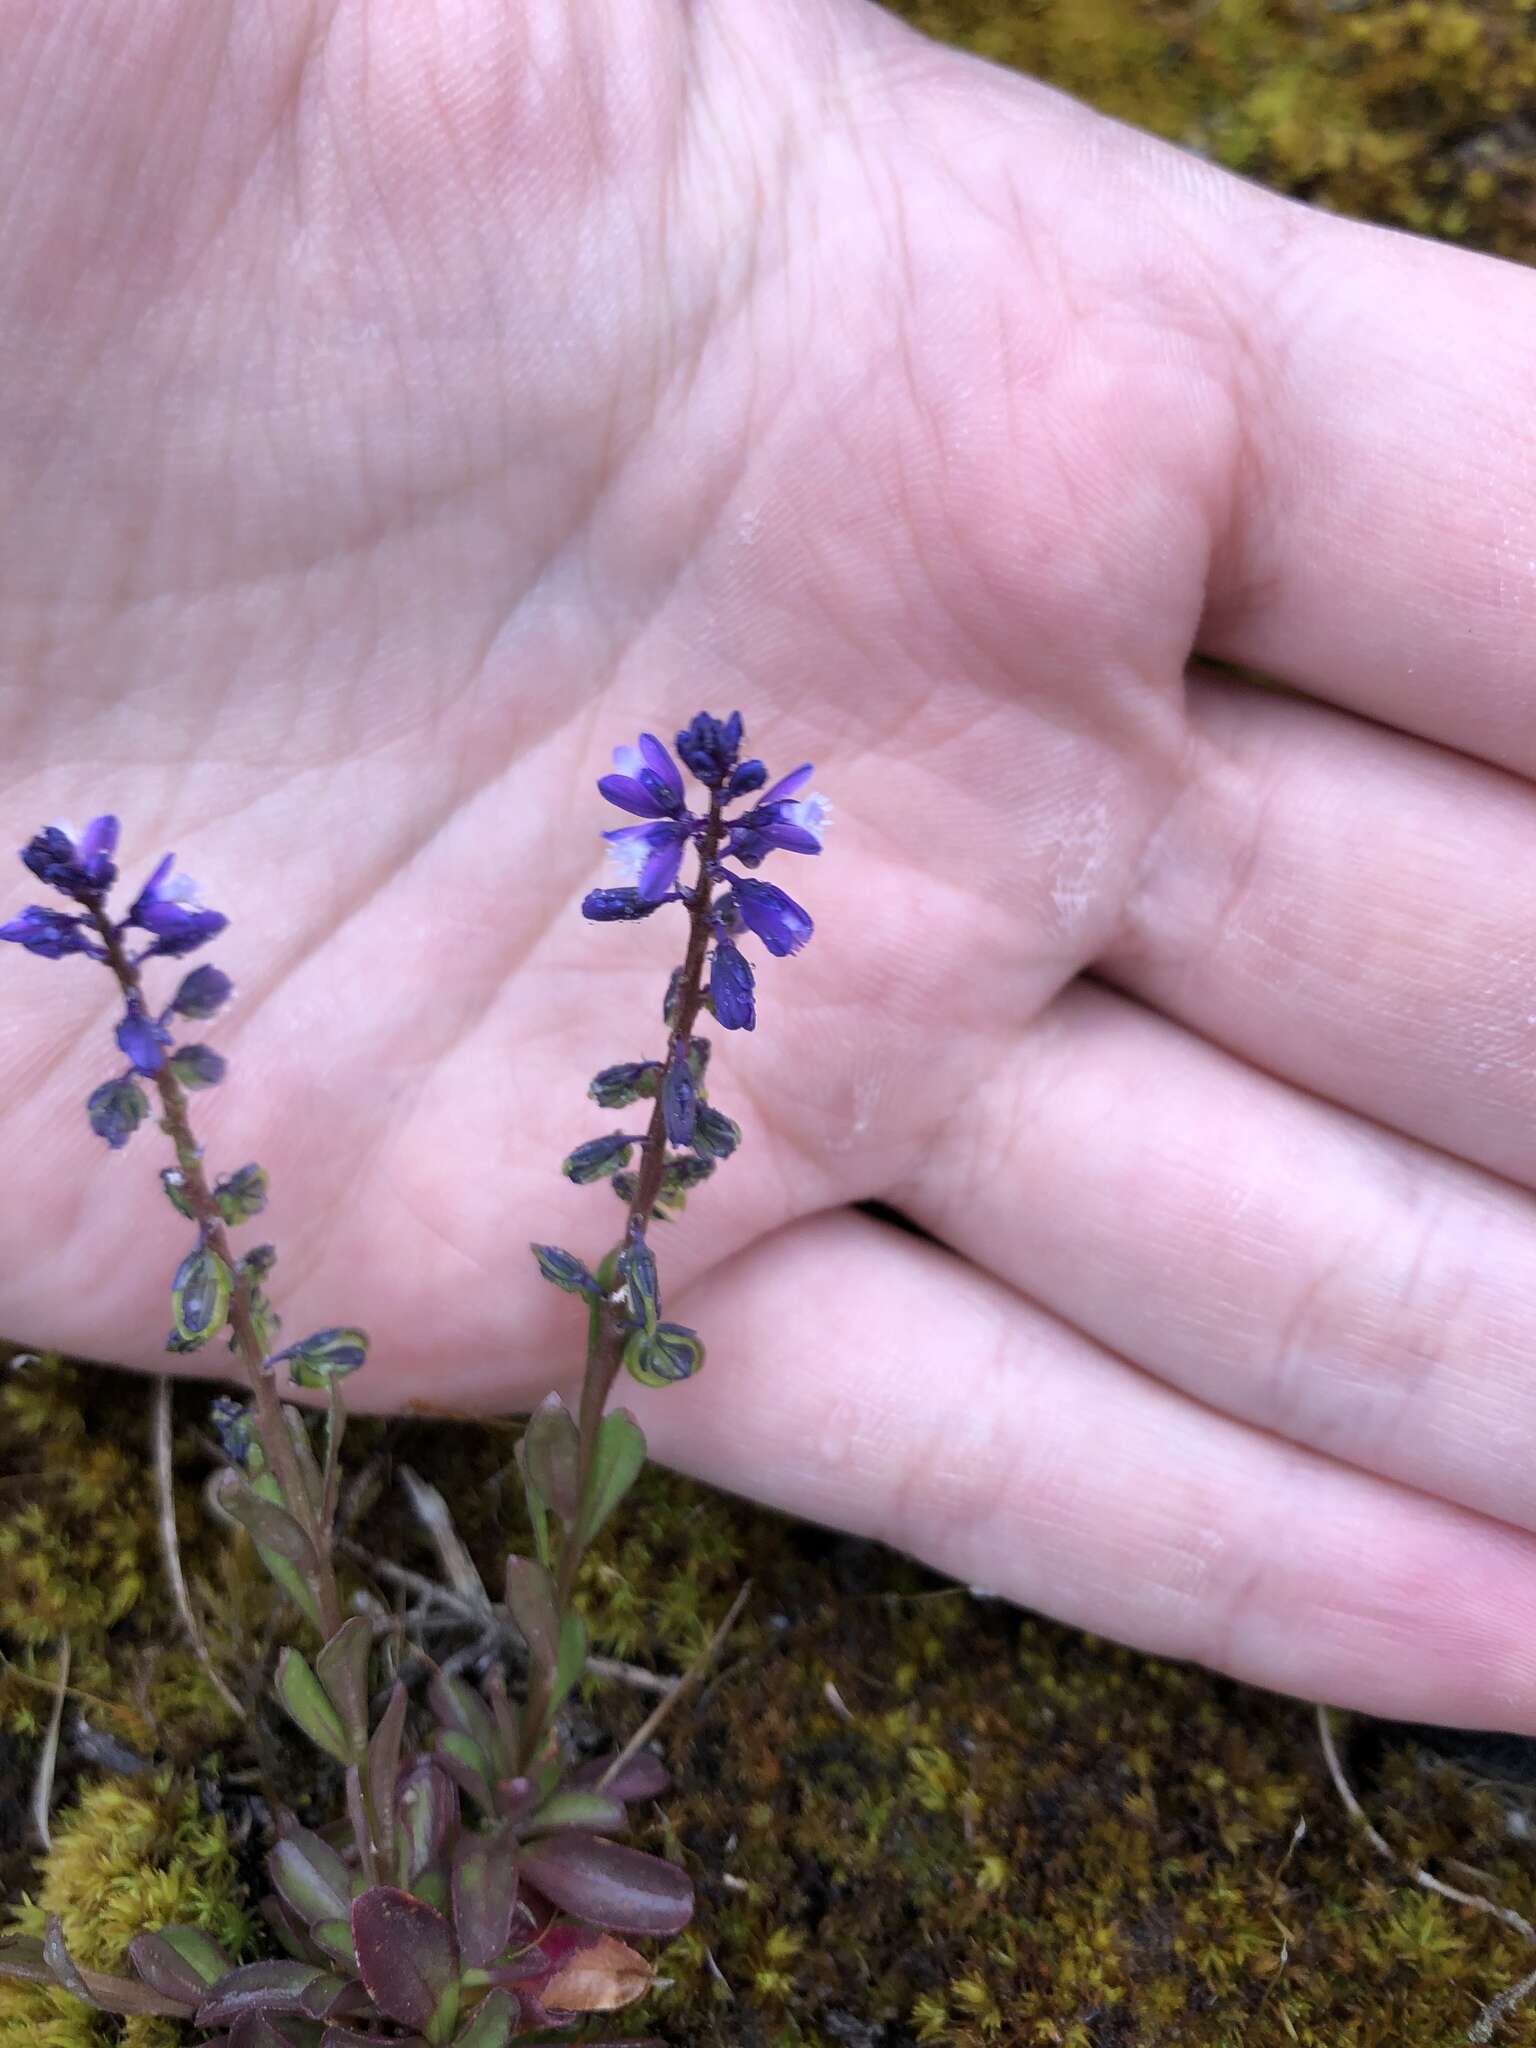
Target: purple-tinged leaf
271, 1989
334, 1939
609, 1885
310, 1706
255, 2030
341, 1665
530, 1598
484, 1897
406, 1955
550, 1456
642, 1776
310, 1878
120, 1995
384, 1767
21, 1956
331, 1995
180, 1962
272, 1527
504, 1714
427, 1810
495, 2021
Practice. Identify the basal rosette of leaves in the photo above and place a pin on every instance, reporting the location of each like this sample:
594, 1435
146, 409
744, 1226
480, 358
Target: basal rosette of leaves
468, 1903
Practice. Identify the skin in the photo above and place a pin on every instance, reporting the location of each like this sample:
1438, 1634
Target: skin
404, 403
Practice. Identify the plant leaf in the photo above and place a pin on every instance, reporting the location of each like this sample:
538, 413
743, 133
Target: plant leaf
181, 1962
121, 1995
310, 1878
643, 1776
271, 1526
310, 1706
493, 2023
342, 1668
601, 1978
384, 1767
267, 1989
571, 1661
575, 1808
608, 1884
428, 1811
617, 1457
484, 1897
21, 1956
549, 1456
406, 1955
530, 1600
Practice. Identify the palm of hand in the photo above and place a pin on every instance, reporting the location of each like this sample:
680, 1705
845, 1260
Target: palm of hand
407, 420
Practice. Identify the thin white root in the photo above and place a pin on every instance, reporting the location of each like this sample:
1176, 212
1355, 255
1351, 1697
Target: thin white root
1483, 2026
170, 1547
48, 1760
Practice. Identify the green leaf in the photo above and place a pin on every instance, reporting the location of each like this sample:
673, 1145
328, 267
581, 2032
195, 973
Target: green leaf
310, 1706
571, 1661
281, 1544
310, 1878
573, 1808
384, 1766
493, 2024
181, 1962
617, 1457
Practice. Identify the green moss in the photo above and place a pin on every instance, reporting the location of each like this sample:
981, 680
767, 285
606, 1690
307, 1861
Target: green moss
1403, 111
129, 1855
912, 1817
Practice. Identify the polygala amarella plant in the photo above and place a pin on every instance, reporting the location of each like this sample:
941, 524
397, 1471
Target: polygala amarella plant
470, 1890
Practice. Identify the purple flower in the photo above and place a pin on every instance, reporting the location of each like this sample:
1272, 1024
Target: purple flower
202, 993
650, 854
143, 1041
775, 918
198, 1066
80, 868
730, 987
646, 782
615, 906
49, 933
784, 822
709, 747
167, 907
116, 1109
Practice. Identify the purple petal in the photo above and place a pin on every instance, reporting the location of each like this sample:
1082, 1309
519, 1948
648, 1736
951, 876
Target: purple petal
660, 871
143, 1041
730, 987
661, 764
777, 919
629, 795
99, 840
786, 786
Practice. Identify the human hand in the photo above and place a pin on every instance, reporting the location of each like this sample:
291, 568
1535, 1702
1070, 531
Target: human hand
403, 404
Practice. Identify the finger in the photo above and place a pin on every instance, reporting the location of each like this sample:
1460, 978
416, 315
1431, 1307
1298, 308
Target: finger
1265, 1253
865, 1379
1351, 909
1381, 547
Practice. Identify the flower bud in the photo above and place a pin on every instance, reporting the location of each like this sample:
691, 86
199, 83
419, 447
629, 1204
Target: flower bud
200, 1296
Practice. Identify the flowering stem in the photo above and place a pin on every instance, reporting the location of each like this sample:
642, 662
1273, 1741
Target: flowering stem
606, 1344
271, 1424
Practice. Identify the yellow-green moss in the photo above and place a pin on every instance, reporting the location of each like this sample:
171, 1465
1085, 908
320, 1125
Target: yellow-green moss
129, 1855
80, 1557
1414, 112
